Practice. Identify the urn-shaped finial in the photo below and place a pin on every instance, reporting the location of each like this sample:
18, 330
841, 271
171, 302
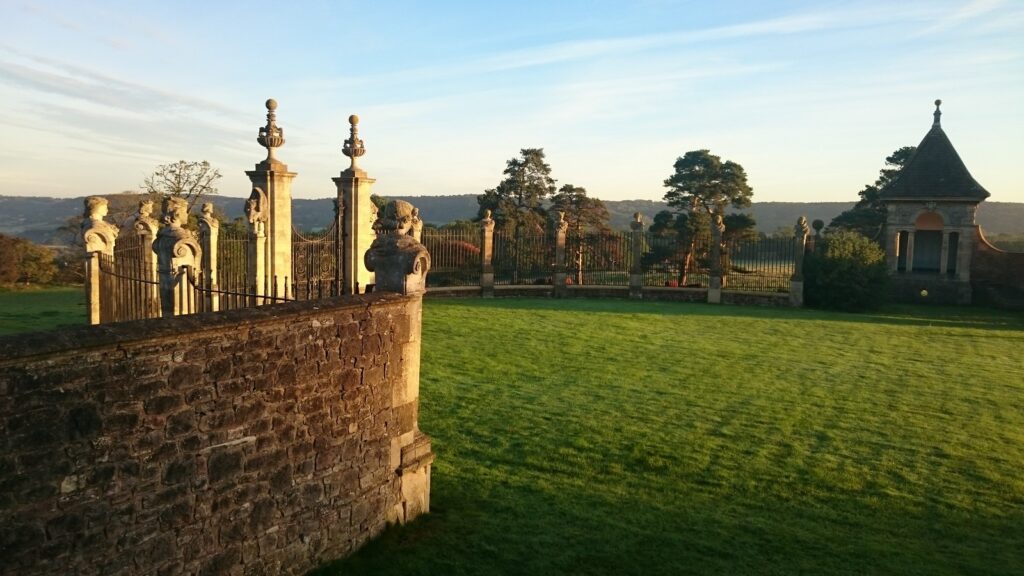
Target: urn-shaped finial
353, 147
271, 136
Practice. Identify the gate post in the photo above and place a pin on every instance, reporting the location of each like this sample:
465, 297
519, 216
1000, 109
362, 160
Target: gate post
358, 213
487, 255
636, 249
558, 278
715, 279
177, 254
209, 228
796, 282
99, 237
146, 227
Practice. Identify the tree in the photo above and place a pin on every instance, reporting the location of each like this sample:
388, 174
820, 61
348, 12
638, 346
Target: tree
846, 273
516, 203
188, 180
703, 186
25, 262
583, 214
868, 216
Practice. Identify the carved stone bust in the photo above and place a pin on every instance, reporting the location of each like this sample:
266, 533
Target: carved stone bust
98, 234
399, 260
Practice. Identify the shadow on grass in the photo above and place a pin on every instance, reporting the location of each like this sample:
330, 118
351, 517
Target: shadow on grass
521, 529
906, 314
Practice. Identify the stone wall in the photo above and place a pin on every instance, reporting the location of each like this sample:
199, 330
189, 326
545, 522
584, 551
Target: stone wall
259, 441
997, 276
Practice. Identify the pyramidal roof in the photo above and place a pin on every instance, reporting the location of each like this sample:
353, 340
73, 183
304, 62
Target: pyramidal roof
935, 171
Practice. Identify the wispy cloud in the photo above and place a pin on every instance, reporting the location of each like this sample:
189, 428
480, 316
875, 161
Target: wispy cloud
50, 76
969, 11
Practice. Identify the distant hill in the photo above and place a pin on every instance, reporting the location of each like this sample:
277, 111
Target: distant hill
39, 218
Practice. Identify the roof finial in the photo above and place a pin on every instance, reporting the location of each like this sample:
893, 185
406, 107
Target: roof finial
353, 147
271, 136
937, 114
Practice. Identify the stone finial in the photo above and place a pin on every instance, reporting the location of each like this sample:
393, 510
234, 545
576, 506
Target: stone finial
416, 230
818, 224
271, 136
353, 147
937, 114
801, 229
487, 223
638, 221
98, 234
145, 224
177, 252
717, 227
399, 261
561, 225
207, 218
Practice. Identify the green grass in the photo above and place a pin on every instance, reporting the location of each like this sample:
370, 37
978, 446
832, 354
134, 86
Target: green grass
31, 309
613, 437
616, 437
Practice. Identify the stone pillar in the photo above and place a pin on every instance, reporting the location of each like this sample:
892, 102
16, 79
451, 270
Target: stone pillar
99, 237
400, 264
209, 229
944, 254
272, 178
892, 250
965, 250
359, 214
910, 251
558, 274
636, 248
178, 256
715, 275
487, 255
147, 227
796, 283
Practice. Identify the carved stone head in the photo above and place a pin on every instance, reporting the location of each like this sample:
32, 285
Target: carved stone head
175, 212
96, 207
145, 208
397, 217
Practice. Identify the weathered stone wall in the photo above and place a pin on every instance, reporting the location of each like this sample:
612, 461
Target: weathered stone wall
259, 441
997, 276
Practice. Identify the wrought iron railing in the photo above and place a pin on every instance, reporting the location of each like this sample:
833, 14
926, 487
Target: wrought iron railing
454, 257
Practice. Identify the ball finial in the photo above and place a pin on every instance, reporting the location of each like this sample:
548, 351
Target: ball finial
353, 119
271, 104
938, 103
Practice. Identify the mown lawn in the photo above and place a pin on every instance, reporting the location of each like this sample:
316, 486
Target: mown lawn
618, 437
31, 309
614, 437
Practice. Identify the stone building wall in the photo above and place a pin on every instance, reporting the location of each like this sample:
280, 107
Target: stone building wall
997, 276
258, 441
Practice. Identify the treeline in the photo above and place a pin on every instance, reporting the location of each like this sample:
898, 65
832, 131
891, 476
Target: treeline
24, 262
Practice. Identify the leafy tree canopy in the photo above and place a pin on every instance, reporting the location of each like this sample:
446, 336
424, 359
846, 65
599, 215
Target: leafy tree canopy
584, 214
25, 262
702, 182
868, 216
517, 201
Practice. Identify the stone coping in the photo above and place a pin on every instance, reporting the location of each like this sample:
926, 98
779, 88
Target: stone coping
16, 348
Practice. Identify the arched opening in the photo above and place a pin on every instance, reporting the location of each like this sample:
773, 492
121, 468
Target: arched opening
928, 242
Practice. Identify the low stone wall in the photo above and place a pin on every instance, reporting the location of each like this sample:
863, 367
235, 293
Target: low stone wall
997, 276
258, 441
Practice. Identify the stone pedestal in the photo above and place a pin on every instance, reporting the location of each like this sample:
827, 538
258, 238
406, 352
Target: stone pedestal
178, 256
487, 255
99, 237
559, 273
636, 249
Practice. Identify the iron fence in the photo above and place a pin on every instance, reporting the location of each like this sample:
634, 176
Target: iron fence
759, 264
601, 259
234, 248
674, 261
521, 258
454, 257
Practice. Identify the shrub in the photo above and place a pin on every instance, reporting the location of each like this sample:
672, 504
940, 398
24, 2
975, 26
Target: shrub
845, 272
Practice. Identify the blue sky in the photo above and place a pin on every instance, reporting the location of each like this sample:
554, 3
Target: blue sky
808, 96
